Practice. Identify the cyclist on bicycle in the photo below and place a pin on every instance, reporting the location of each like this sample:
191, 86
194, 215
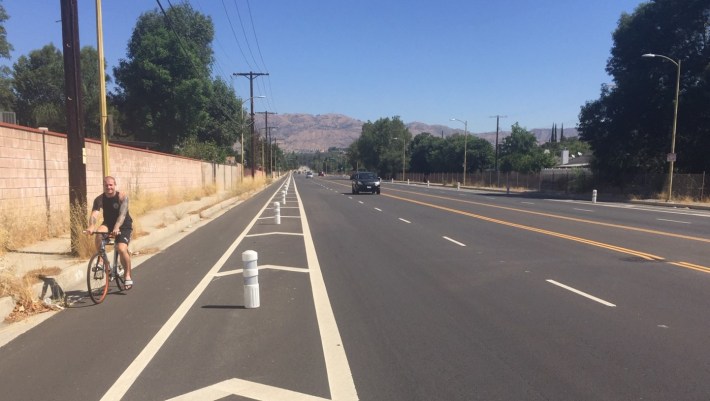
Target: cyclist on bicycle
117, 221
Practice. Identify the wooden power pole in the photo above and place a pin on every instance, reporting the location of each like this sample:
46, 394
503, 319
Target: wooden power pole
75, 129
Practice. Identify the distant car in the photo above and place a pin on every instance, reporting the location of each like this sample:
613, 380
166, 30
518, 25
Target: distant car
309, 174
321, 174
365, 182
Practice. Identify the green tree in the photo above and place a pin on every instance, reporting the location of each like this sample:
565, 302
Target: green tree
203, 150
91, 91
164, 85
39, 89
7, 98
629, 126
224, 116
520, 152
377, 147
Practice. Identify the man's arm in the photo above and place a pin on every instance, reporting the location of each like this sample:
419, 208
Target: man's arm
93, 217
122, 212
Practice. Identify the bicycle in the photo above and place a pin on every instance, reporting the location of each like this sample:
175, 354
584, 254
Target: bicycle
101, 272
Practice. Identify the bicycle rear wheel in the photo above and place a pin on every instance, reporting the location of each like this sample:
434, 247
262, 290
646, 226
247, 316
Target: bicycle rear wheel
97, 279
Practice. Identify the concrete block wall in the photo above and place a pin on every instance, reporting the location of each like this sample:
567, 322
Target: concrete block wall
34, 175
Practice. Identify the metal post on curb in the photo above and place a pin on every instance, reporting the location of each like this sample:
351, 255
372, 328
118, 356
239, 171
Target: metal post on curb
594, 196
277, 212
251, 279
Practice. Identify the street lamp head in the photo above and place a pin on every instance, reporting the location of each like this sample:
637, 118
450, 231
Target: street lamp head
648, 55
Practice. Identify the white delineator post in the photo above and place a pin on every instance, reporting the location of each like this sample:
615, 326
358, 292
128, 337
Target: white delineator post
283, 197
251, 279
277, 212
594, 196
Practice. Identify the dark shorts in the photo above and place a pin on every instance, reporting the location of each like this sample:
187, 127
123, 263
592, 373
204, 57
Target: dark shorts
125, 237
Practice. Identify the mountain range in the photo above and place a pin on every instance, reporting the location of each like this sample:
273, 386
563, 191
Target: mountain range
310, 133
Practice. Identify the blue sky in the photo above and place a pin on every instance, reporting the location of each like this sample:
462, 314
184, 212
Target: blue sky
536, 61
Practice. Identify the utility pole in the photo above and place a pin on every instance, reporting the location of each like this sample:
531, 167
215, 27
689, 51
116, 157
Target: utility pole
74, 113
251, 76
266, 134
498, 117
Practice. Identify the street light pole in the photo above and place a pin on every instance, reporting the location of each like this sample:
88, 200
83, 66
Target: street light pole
404, 155
465, 139
671, 156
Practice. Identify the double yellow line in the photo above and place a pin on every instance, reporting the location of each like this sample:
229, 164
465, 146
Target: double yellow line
642, 255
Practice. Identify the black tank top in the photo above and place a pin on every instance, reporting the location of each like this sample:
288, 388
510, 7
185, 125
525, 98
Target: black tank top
111, 207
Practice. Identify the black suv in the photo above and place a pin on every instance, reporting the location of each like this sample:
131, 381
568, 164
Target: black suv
365, 182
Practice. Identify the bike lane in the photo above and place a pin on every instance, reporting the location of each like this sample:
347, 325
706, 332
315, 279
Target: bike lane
213, 347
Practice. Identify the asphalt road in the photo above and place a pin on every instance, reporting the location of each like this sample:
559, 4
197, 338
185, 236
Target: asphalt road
415, 294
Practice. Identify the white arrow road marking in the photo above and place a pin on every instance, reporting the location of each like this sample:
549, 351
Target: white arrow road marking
247, 389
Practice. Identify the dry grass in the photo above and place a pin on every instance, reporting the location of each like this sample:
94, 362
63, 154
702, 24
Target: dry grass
20, 226
20, 289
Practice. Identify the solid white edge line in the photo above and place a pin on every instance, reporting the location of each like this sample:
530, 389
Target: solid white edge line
584, 294
340, 378
675, 221
454, 241
125, 381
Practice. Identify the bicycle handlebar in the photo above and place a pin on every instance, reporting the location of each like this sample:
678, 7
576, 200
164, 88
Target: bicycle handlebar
108, 234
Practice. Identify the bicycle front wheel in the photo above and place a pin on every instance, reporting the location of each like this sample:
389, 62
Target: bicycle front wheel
97, 279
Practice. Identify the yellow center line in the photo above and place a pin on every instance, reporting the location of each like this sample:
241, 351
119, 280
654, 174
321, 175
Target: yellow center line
643, 255
557, 216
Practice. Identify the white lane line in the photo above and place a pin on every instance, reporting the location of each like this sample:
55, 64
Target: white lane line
454, 241
273, 233
340, 378
675, 221
582, 210
378, 209
528, 203
406, 221
128, 377
584, 294
361, 202
275, 267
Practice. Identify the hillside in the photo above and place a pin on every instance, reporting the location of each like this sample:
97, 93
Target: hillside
310, 133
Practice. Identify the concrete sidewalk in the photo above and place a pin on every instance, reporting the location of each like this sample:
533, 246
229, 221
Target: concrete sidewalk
158, 229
